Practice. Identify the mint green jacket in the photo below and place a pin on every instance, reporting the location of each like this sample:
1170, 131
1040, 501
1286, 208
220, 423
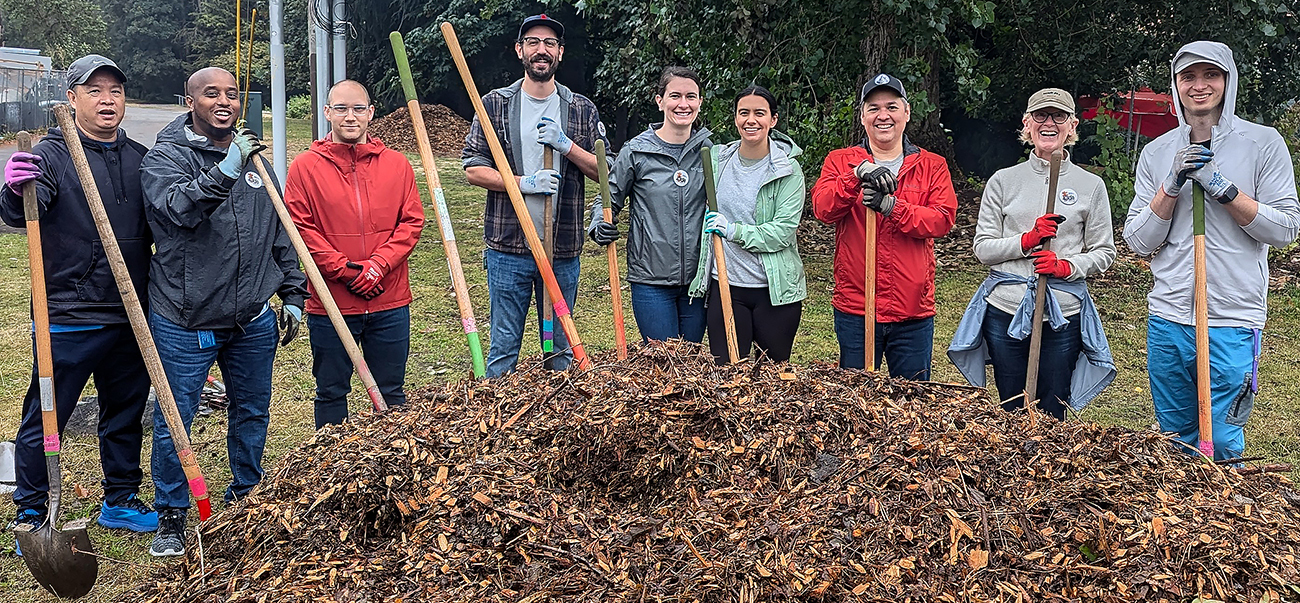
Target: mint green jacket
777, 212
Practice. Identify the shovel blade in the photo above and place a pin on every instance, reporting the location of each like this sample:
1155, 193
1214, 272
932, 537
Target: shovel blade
51, 558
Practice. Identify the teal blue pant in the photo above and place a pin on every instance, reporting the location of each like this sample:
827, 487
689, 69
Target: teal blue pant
1171, 367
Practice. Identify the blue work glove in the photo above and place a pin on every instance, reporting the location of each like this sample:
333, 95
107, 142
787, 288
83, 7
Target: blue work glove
550, 133
716, 223
290, 319
541, 182
1214, 183
1187, 160
242, 146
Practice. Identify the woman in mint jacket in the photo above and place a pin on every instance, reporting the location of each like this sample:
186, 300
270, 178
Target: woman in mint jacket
760, 189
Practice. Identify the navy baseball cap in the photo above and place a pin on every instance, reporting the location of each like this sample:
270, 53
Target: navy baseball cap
543, 20
883, 80
81, 69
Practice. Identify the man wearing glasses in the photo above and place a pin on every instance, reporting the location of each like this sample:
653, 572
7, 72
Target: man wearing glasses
531, 115
908, 192
221, 255
355, 203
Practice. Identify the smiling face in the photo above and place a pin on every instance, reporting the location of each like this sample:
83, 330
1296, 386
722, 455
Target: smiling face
680, 102
99, 105
347, 124
1047, 135
1200, 89
536, 52
754, 118
885, 115
214, 101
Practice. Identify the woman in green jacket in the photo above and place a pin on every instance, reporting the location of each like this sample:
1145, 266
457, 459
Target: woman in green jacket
760, 189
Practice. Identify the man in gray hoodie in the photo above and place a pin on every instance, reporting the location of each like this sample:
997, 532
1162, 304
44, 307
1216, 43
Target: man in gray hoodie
1250, 204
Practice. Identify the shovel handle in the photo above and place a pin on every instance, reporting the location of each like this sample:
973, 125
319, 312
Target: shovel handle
139, 323
869, 289
611, 252
1040, 299
720, 258
1200, 306
322, 289
548, 247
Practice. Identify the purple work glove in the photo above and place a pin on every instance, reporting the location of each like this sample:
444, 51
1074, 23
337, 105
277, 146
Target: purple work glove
21, 169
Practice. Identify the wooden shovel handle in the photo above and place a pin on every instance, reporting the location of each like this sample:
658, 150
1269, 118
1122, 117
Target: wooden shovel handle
1040, 298
1200, 306
548, 248
720, 259
611, 252
135, 314
869, 289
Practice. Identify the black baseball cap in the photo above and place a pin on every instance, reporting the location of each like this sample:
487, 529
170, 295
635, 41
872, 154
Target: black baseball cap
543, 20
81, 69
883, 80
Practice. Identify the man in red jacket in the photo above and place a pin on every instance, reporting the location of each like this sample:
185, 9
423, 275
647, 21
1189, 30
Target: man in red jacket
355, 203
908, 192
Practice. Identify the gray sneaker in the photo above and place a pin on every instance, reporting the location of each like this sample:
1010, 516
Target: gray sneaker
169, 540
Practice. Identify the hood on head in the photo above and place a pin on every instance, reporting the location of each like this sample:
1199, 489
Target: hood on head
1211, 52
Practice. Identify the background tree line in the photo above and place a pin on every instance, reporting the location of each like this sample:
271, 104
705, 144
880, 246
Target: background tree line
969, 65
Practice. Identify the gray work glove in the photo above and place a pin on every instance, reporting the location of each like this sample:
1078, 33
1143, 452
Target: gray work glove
541, 182
601, 232
877, 201
1186, 160
1216, 185
877, 177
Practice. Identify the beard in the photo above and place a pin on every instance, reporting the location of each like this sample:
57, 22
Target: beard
546, 73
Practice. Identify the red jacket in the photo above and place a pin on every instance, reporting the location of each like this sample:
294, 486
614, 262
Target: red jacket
352, 203
925, 209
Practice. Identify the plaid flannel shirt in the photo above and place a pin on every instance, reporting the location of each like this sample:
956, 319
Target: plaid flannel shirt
581, 123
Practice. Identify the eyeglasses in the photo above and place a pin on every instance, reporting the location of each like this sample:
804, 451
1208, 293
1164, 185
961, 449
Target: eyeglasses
343, 109
1057, 118
534, 41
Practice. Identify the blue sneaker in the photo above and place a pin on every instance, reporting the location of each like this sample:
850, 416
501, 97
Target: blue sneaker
30, 517
132, 515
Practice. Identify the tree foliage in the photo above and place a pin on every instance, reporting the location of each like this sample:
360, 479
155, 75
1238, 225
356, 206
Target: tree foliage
64, 30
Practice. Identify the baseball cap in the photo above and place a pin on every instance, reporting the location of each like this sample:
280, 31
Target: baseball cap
882, 80
81, 69
1051, 97
543, 20
1187, 59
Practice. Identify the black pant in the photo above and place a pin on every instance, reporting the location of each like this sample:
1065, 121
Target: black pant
758, 323
385, 341
111, 355
1010, 358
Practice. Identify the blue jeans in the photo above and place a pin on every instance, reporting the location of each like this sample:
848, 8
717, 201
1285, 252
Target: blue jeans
1010, 359
1171, 368
904, 346
513, 283
111, 355
385, 341
664, 312
245, 357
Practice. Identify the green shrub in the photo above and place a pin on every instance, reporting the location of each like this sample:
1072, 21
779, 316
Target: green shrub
298, 107
1289, 126
1114, 163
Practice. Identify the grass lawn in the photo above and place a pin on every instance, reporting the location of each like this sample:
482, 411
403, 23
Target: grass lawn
439, 353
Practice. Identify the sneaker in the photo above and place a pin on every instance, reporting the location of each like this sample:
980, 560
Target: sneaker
169, 540
132, 515
30, 517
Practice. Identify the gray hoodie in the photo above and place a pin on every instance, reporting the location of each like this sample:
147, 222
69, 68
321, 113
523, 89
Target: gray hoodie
1252, 156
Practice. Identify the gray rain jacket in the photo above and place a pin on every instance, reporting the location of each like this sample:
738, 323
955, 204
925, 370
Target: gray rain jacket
221, 251
664, 196
1252, 156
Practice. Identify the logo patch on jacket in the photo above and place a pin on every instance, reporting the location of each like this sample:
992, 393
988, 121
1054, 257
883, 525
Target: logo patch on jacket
253, 179
1069, 197
680, 178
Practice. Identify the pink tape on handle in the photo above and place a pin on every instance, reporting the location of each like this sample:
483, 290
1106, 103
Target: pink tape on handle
51, 444
561, 308
470, 325
198, 488
1207, 448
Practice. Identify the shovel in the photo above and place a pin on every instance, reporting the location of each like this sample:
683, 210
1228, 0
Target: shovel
1200, 305
548, 247
55, 557
1040, 300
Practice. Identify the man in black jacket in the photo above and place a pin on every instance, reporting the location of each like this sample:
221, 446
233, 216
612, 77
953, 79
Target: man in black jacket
89, 331
221, 255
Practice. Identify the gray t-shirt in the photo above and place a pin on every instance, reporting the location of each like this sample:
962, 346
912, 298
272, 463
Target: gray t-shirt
893, 164
738, 186
531, 111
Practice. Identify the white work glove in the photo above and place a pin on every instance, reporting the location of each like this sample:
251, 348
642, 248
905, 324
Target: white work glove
541, 182
1187, 160
1214, 182
550, 133
716, 223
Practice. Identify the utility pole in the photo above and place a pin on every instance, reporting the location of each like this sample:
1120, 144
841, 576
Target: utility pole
279, 150
340, 42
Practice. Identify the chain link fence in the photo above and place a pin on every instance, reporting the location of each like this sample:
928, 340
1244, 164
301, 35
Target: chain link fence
28, 96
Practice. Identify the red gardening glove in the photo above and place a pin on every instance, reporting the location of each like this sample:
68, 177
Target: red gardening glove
1044, 229
1046, 262
365, 284
350, 272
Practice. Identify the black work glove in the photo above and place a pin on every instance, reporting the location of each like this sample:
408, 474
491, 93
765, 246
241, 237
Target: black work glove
877, 177
290, 319
603, 233
258, 147
878, 201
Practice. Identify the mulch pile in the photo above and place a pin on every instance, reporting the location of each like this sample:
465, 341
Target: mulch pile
447, 130
665, 478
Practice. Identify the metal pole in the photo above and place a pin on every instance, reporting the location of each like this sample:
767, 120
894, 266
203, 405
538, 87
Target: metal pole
279, 147
322, 67
340, 42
